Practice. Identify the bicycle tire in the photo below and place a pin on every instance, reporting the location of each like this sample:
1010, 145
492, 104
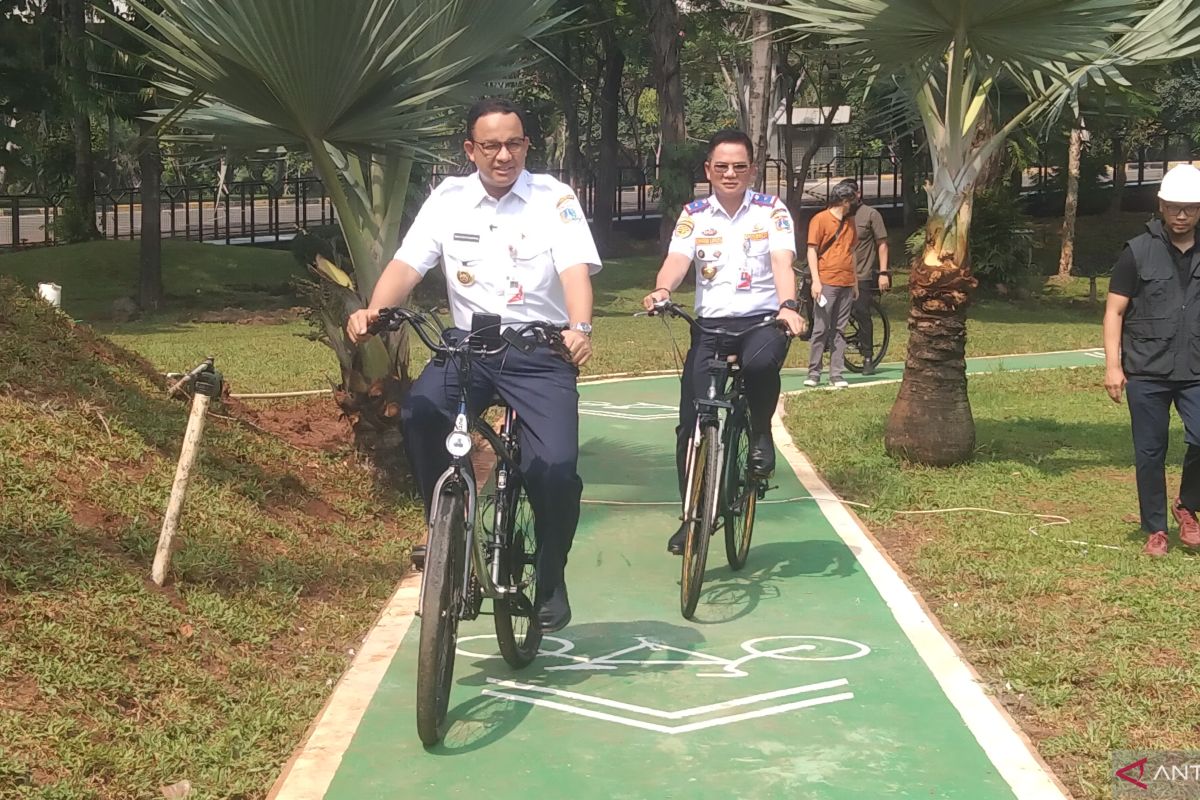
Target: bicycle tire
441, 591
883, 335
517, 629
706, 490
741, 490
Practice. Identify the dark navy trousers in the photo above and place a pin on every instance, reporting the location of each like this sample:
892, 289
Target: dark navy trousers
1150, 404
761, 355
541, 387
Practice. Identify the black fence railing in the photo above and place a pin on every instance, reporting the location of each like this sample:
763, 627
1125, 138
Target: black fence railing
251, 212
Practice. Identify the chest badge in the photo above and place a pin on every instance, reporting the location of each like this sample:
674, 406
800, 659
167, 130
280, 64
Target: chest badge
708, 271
465, 278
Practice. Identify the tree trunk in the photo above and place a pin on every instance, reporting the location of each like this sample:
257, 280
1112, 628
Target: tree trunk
568, 101
81, 217
789, 157
1066, 260
760, 89
908, 181
822, 135
150, 284
931, 421
675, 168
608, 168
1119, 177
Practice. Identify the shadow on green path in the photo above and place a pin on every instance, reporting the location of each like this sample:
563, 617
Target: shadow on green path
795, 679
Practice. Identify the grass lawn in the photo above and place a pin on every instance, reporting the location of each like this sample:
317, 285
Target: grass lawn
111, 687
1092, 649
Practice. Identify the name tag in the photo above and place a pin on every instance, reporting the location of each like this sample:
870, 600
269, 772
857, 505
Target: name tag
466, 237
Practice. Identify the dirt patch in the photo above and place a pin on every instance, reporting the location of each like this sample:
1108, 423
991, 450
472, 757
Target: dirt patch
242, 316
312, 424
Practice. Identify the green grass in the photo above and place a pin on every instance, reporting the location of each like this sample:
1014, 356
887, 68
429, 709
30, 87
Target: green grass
1091, 649
112, 687
196, 277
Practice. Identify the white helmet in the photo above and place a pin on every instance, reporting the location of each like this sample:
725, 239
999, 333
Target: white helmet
1181, 185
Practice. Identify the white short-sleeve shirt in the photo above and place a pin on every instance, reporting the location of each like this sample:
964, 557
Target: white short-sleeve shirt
502, 256
732, 255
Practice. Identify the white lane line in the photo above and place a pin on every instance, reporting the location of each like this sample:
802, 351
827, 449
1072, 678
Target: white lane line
654, 712
310, 772
998, 735
670, 730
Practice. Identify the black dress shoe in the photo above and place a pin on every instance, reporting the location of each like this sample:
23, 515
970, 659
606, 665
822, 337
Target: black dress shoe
868, 367
677, 541
417, 556
762, 456
554, 612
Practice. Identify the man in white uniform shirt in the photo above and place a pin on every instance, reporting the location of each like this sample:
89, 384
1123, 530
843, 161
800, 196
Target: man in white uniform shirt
516, 245
743, 245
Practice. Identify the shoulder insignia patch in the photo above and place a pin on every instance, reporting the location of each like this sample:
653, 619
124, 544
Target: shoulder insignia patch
696, 206
684, 229
767, 200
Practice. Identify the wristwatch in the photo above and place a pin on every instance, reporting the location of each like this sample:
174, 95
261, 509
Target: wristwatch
790, 305
583, 327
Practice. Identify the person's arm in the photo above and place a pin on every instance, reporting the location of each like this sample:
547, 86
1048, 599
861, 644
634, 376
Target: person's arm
576, 260
395, 286
1122, 286
680, 252
1114, 320
814, 241
885, 277
785, 290
672, 272
577, 289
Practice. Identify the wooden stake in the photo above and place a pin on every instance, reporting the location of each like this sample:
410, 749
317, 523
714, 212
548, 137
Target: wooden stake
183, 472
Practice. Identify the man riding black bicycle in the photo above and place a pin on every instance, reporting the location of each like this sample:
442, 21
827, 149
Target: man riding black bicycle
516, 245
743, 244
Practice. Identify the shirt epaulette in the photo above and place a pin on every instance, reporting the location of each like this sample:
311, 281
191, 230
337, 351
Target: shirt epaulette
696, 206
767, 200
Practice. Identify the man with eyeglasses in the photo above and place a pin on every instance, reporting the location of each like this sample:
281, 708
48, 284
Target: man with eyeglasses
515, 245
1152, 352
743, 244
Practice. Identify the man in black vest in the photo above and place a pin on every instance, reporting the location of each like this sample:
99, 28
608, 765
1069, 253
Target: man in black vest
1152, 351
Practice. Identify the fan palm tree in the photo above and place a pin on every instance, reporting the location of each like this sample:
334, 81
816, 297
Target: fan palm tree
950, 55
365, 87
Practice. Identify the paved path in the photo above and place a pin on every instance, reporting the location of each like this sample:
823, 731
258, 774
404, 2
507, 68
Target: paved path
813, 673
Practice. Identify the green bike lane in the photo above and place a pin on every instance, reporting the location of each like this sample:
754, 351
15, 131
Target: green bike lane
811, 673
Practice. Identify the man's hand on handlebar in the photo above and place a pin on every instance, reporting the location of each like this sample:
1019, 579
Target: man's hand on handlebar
654, 298
792, 322
359, 325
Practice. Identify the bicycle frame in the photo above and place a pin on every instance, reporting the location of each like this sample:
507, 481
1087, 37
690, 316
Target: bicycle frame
708, 410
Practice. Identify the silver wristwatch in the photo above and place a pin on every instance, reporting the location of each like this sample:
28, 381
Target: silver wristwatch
583, 327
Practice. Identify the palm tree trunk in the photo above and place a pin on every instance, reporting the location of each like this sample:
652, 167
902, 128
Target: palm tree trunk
1066, 260
931, 421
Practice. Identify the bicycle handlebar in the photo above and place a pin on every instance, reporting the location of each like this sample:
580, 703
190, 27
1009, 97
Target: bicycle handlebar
676, 310
393, 318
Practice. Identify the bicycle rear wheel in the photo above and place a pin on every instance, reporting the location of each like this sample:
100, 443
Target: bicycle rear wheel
701, 518
881, 335
741, 490
441, 592
517, 629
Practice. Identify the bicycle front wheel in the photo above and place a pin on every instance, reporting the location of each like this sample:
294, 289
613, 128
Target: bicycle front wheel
701, 519
741, 490
441, 592
517, 629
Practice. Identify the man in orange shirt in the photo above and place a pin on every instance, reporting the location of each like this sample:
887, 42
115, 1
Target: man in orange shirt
831, 241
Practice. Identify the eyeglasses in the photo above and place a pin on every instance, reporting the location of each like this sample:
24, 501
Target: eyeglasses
1173, 210
492, 149
741, 168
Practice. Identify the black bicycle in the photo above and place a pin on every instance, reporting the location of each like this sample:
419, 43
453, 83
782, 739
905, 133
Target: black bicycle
857, 346
467, 562
720, 489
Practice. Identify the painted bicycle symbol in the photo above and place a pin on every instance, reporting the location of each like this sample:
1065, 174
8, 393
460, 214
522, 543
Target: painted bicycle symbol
777, 648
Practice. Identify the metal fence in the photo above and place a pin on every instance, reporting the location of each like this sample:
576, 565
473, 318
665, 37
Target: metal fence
250, 212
